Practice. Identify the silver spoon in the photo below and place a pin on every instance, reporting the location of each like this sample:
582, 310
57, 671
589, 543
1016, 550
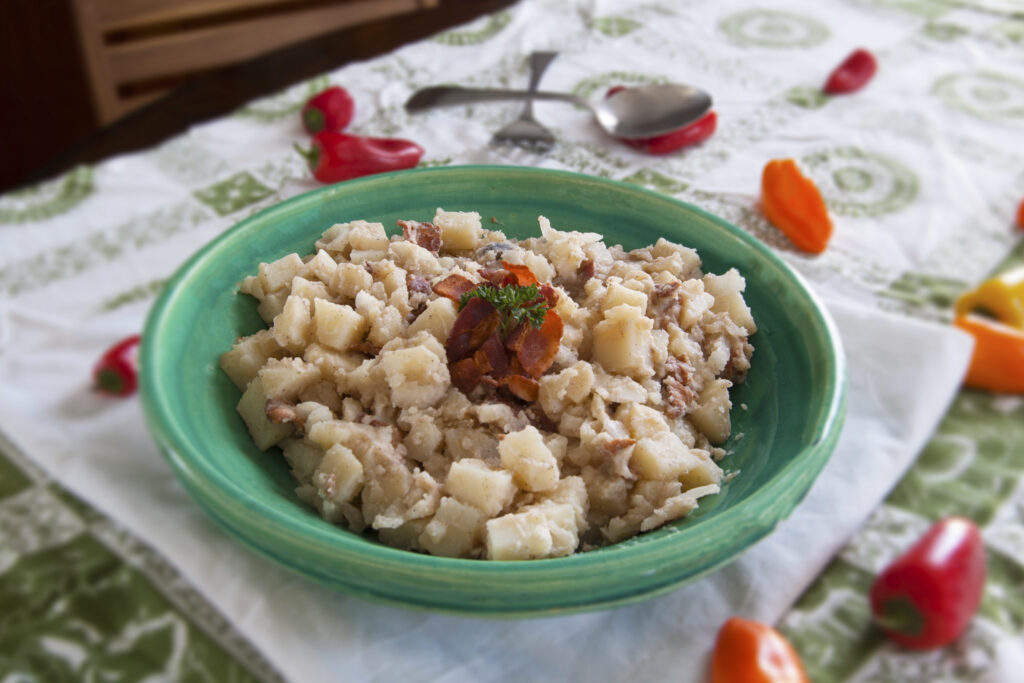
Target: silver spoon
639, 112
526, 131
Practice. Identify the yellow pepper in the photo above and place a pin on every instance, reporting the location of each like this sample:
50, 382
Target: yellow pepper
1002, 296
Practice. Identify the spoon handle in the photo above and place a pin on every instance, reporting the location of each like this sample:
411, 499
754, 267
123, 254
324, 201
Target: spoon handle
450, 95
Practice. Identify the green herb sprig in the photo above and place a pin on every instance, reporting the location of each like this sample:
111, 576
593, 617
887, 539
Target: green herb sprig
515, 304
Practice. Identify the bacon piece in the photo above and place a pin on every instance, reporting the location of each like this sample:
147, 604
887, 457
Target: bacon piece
679, 395
523, 275
465, 375
540, 346
491, 357
454, 286
585, 270
369, 348
427, 235
521, 387
475, 323
418, 283
279, 412
616, 445
499, 278
549, 293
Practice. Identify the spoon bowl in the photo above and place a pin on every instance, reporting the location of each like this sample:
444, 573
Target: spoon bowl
639, 112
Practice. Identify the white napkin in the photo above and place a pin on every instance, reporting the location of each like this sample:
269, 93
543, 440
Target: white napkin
902, 373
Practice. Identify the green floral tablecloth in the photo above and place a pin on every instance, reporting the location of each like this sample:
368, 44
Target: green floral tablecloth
922, 172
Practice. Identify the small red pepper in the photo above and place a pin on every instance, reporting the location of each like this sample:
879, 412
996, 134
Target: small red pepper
751, 652
339, 156
698, 131
1020, 215
331, 109
116, 372
927, 596
852, 74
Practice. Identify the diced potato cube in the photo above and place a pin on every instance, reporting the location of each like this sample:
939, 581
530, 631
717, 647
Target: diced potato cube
337, 325
455, 529
308, 289
303, 456
272, 305
641, 421
423, 438
253, 409
414, 258
339, 476
366, 236
291, 326
335, 239
705, 470
460, 230
417, 375
388, 325
529, 459
661, 458
711, 416
333, 364
251, 286
622, 341
350, 279
366, 255
278, 274
247, 356
727, 289
322, 267
518, 536
284, 378
696, 302
437, 319
472, 481
618, 294
572, 491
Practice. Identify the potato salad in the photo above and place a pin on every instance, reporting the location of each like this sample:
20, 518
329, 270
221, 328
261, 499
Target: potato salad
460, 393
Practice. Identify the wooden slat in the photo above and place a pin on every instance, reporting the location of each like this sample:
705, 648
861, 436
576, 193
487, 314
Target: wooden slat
119, 15
101, 81
209, 47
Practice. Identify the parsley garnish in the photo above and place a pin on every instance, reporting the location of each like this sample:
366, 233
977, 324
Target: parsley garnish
515, 304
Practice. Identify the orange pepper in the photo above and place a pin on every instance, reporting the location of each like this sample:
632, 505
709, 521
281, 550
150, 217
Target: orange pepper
1002, 296
997, 363
794, 205
751, 652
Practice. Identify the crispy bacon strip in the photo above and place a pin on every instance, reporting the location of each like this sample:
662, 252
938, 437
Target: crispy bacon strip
499, 278
465, 374
523, 275
427, 235
454, 286
491, 357
477, 321
679, 395
521, 387
540, 346
549, 293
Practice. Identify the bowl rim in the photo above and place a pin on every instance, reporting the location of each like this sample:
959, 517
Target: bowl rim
202, 478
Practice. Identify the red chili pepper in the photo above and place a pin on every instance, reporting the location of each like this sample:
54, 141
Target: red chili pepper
927, 596
338, 156
116, 372
751, 652
852, 74
698, 131
331, 109
1020, 215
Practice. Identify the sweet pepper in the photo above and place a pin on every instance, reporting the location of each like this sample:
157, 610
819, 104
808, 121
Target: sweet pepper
751, 652
338, 156
1002, 296
927, 596
997, 363
794, 205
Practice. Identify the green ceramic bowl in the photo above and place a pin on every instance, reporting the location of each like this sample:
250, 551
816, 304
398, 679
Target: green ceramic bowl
794, 396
